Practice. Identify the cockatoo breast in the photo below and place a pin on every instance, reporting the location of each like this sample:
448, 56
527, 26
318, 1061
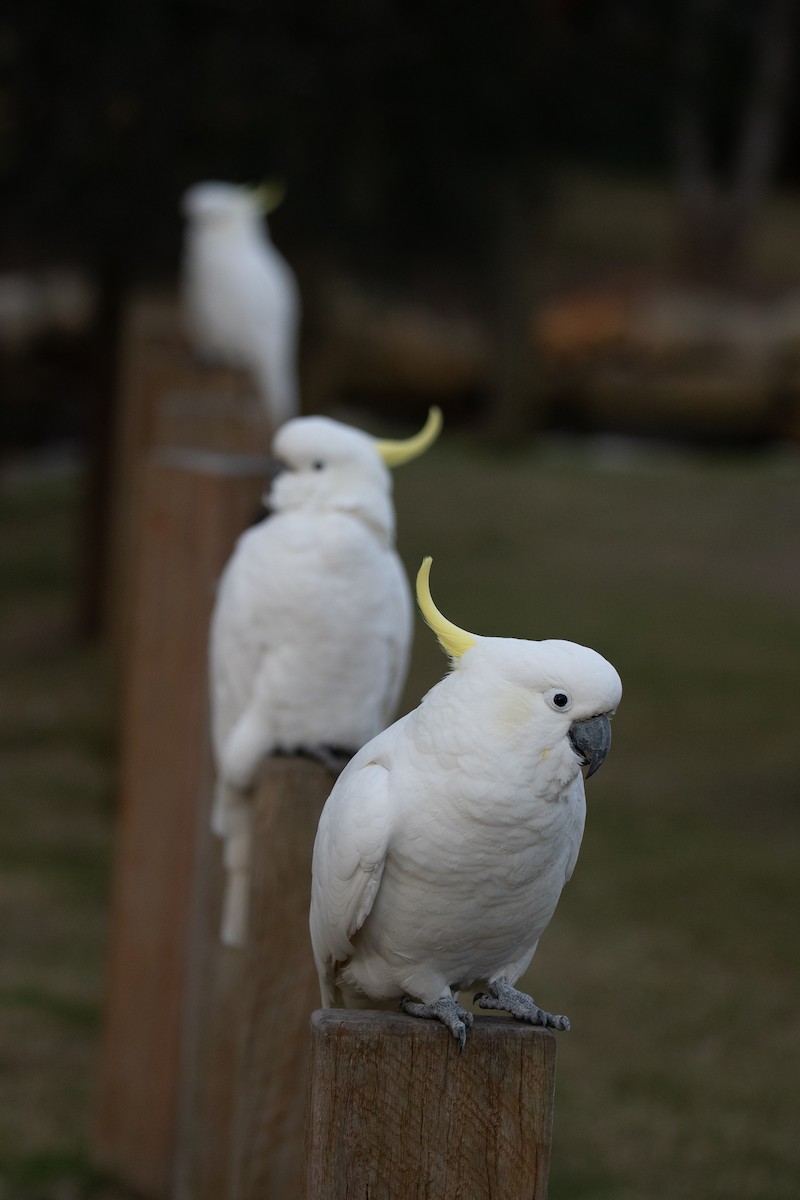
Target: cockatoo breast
328, 677
237, 289
488, 811
484, 836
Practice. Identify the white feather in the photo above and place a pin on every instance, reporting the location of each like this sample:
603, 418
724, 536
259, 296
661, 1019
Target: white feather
311, 629
444, 846
240, 297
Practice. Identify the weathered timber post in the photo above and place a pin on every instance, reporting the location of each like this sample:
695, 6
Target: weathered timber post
281, 989
193, 505
397, 1112
166, 398
244, 1077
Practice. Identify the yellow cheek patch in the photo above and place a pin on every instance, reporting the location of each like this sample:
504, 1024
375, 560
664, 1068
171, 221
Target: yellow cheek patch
515, 708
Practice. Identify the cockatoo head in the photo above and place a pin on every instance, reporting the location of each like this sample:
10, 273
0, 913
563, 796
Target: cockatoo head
327, 467
228, 206
565, 692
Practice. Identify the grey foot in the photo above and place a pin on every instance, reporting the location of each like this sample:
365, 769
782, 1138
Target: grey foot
335, 758
505, 997
457, 1019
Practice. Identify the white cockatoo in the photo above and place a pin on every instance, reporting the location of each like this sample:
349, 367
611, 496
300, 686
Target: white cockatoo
240, 297
443, 848
311, 629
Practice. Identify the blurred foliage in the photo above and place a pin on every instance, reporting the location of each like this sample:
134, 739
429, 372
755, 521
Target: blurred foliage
377, 115
396, 124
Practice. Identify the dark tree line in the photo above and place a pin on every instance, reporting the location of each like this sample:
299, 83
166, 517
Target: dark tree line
398, 125
407, 131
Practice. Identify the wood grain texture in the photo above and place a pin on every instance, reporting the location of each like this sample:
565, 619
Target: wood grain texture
244, 1062
397, 1112
212, 1011
191, 511
165, 397
280, 987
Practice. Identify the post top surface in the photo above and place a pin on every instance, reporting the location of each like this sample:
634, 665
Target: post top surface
378, 1023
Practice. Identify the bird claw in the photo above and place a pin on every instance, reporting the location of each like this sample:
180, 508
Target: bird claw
503, 996
457, 1019
332, 757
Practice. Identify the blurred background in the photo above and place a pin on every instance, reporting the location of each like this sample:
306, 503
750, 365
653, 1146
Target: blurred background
576, 227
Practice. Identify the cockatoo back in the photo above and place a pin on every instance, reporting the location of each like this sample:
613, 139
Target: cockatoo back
240, 297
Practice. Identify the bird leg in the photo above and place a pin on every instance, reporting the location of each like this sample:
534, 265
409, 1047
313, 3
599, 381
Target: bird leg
447, 1010
505, 997
335, 758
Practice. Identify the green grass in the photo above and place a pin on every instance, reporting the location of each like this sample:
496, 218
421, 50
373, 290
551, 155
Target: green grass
674, 949
55, 779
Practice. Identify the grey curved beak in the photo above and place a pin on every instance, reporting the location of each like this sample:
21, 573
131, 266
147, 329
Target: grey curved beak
591, 739
274, 468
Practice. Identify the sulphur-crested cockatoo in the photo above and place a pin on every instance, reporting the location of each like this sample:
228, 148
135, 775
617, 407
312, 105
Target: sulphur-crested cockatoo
240, 297
443, 848
311, 629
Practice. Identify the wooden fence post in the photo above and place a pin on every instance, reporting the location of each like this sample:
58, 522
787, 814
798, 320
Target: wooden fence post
244, 1077
166, 398
193, 506
396, 1111
281, 990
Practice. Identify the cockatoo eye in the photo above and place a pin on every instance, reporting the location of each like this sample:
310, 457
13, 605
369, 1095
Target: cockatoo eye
318, 464
558, 700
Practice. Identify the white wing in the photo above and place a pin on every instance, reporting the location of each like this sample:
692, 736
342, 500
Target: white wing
273, 336
400, 638
354, 834
242, 306
239, 634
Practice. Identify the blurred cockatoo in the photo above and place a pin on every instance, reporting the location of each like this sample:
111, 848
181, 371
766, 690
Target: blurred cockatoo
311, 629
443, 848
240, 297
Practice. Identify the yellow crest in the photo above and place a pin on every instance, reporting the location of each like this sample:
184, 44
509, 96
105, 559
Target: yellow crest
395, 453
454, 640
269, 195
